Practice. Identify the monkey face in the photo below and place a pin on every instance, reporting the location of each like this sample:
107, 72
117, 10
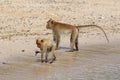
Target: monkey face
50, 24
39, 43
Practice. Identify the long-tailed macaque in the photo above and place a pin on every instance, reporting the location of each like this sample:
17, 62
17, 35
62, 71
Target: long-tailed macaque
58, 27
46, 46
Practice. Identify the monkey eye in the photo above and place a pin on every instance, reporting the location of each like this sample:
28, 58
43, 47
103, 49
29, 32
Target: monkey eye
42, 40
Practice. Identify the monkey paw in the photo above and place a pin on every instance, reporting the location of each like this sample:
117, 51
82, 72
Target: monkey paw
51, 62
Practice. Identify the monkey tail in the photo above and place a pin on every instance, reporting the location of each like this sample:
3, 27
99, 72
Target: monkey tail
82, 26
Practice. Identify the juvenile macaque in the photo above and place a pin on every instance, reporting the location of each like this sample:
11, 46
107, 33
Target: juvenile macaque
47, 47
58, 27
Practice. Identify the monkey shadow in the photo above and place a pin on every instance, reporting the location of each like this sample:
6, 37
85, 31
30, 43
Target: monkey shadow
66, 49
60, 48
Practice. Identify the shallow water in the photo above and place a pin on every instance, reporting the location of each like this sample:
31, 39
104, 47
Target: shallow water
95, 62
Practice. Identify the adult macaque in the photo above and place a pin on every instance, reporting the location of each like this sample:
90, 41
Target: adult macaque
46, 46
58, 27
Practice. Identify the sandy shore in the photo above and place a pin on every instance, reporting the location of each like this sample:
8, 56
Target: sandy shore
22, 21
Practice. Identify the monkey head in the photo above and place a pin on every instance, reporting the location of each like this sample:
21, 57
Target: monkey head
50, 24
39, 43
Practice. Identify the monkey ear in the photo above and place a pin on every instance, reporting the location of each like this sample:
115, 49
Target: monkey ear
52, 22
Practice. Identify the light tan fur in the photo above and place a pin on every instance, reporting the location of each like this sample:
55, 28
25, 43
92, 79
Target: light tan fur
58, 27
46, 46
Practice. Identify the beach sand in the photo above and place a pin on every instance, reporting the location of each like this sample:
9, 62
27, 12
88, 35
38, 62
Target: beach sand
22, 21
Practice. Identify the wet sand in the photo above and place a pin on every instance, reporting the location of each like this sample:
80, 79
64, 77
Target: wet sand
91, 62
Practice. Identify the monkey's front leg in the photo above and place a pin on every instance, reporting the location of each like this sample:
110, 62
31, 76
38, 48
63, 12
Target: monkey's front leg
56, 38
53, 58
46, 57
42, 53
74, 41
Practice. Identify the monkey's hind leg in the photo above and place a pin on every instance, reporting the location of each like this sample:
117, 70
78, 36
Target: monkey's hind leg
76, 44
73, 40
52, 59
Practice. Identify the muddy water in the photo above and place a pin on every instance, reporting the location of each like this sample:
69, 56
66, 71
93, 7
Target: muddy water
95, 62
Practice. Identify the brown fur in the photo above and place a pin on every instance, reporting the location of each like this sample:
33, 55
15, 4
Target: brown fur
58, 27
46, 46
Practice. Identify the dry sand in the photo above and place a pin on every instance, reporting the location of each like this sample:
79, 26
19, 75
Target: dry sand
22, 21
